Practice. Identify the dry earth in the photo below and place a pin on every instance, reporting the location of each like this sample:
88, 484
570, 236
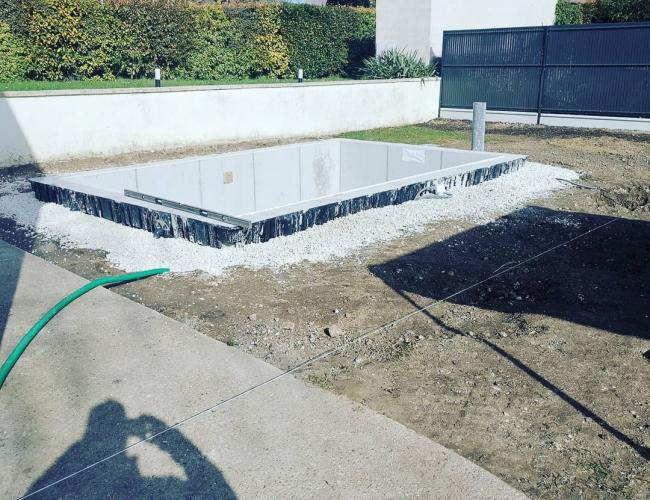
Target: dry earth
538, 375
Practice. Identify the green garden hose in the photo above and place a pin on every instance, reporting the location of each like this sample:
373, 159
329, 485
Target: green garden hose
34, 330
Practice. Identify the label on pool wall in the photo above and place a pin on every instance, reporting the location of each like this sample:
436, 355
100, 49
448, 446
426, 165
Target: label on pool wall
413, 155
228, 178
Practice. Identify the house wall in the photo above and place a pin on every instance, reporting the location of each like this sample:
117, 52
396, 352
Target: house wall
63, 125
419, 24
404, 24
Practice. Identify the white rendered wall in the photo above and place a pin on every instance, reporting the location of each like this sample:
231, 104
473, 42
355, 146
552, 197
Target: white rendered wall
400, 22
63, 125
404, 24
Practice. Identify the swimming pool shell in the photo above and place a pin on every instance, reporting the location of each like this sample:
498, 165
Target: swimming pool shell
278, 191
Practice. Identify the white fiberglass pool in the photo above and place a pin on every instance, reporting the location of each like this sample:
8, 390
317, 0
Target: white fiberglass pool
254, 195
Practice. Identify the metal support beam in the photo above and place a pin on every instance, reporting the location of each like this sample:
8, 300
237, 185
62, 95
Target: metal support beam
228, 219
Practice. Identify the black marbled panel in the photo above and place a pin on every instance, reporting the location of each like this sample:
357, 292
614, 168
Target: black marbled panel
169, 225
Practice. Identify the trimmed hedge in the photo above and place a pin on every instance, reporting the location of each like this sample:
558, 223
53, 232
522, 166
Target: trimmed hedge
78, 39
602, 11
568, 13
12, 55
327, 41
353, 3
86, 39
618, 11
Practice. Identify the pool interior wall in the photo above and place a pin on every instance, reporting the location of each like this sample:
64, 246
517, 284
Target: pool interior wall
280, 190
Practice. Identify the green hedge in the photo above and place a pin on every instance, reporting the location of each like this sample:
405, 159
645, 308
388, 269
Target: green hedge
87, 39
327, 41
602, 11
12, 55
568, 13
618, 11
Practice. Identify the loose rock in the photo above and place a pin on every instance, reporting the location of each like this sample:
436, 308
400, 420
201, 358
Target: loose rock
334, 331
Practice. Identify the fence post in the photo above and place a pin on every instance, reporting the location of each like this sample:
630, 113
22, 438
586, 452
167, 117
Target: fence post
442, 73
542, 71
478, 126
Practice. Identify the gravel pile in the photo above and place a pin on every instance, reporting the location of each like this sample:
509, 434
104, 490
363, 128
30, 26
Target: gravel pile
134, 250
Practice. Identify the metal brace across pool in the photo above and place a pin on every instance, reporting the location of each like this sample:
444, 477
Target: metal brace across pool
229, 219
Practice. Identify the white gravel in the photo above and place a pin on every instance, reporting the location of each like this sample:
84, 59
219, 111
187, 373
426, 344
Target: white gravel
134, 250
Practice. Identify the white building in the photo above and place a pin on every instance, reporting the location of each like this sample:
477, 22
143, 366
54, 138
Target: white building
418, 24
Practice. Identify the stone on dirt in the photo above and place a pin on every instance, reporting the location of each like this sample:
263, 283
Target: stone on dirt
334, 331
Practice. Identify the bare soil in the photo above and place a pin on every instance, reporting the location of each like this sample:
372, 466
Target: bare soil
537, 375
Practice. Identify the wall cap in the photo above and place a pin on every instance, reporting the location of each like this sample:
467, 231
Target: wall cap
201, 88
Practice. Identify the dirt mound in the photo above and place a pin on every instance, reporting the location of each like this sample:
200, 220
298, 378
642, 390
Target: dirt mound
633, 197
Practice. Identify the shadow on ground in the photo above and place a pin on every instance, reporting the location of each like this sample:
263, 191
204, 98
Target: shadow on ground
8, 230
600, 281
108, 431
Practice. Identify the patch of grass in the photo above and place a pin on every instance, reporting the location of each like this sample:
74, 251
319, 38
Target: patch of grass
418, 134
409, 134
127, 83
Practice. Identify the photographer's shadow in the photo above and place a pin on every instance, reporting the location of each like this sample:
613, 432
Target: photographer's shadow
108, 431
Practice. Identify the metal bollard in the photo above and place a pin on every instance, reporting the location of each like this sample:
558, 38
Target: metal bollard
478, 126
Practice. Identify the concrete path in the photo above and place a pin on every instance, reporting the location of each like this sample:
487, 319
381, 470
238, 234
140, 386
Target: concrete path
108, 372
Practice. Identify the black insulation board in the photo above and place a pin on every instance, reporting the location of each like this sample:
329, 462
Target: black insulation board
169, 225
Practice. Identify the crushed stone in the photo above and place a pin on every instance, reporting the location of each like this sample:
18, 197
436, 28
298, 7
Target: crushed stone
133, 250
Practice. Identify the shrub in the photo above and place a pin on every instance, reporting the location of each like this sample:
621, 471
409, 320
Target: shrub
111, 49
396, 63
618, 11
76, 39
14, 14
162, 31
80, 39
568, 13
213, 57
361, 43
322, 41
258, 40
353, 3
12, 55
271, 51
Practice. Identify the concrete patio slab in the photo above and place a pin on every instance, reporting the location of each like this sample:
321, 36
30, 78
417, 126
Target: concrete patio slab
108, 372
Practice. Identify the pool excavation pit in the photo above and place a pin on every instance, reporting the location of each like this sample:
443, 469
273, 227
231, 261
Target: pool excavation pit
254, 195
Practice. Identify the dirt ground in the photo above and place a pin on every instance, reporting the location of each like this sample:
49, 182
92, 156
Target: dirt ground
537, 375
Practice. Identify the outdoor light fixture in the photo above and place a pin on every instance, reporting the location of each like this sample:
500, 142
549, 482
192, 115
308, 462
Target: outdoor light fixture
157, 73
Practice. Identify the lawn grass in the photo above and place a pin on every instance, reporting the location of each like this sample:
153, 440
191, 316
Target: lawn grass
409, 134
123, 83
417, 134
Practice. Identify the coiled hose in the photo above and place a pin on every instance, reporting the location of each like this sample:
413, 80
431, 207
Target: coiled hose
18, 351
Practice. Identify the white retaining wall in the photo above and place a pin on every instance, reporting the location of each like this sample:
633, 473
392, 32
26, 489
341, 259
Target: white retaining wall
582, 121
63, 125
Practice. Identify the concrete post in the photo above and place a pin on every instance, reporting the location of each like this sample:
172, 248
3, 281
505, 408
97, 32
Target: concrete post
478, 126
